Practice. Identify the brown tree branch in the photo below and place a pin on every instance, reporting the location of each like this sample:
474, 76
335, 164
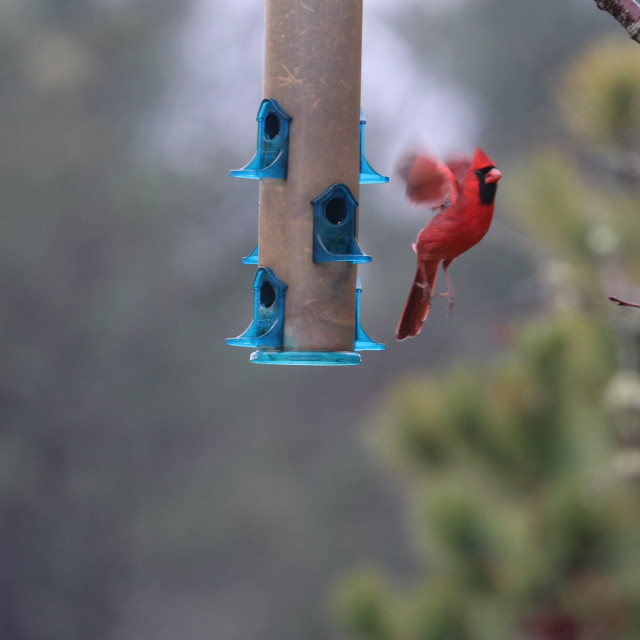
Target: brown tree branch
623, 303
626, 12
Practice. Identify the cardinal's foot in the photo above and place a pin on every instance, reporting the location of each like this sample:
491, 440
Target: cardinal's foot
452, 300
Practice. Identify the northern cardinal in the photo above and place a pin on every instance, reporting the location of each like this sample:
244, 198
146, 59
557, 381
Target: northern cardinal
463, 190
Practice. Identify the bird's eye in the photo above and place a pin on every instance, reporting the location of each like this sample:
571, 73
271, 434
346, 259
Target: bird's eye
479, 172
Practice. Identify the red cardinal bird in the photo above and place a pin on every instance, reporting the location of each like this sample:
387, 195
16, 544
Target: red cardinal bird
463, 191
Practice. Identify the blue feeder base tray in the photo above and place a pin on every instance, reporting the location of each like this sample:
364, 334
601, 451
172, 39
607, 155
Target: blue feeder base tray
306, 358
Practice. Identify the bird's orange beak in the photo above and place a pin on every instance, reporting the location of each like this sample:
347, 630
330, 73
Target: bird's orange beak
493, 176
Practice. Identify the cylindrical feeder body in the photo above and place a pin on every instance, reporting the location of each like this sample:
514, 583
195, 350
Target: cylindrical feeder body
312, 68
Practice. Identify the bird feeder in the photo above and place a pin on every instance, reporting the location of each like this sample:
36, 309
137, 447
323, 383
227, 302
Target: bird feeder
309, 162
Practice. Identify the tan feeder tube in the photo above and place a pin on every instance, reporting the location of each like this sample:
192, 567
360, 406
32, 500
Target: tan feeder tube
312, 68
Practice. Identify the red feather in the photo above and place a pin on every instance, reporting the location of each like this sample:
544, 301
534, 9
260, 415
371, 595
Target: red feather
464, 190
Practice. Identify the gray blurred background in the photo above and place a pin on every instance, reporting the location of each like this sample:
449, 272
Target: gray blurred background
154, 484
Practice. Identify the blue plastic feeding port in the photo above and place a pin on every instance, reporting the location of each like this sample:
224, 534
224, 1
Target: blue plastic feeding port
266, 330
362, 341
252, 258
367, 174
272, 155
334, 226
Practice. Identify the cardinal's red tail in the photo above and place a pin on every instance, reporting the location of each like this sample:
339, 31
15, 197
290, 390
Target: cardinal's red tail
419, 301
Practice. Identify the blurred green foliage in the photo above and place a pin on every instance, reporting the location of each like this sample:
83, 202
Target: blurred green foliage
599, 95
578, 196
516, 506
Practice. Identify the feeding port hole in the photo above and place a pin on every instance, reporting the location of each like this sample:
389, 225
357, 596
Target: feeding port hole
271, 126
336, 210
267, 294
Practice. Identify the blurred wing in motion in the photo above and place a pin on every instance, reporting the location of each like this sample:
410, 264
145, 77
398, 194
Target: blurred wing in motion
430, 182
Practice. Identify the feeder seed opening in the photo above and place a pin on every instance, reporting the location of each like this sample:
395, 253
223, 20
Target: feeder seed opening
267, 294
336, 210
271, 126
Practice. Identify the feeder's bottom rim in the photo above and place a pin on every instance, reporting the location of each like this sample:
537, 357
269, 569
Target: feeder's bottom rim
306, 358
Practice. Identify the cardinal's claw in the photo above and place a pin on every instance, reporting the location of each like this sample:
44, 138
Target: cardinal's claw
452, 300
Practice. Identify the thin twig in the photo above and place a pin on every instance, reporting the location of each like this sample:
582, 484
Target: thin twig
624, 303
626, 12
